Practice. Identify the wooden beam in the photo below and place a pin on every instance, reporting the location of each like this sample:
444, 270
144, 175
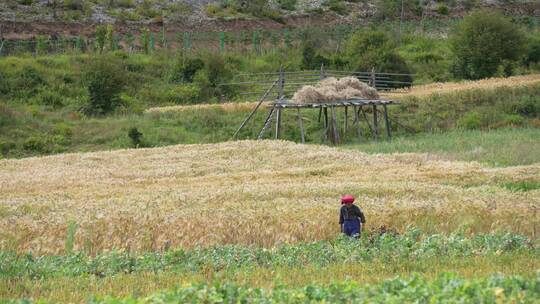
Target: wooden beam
266, 123
367, 120
357, 122
335, 129
278, 122
387, 123
345, 124
375, 122
325, 112
254, 110
301, 126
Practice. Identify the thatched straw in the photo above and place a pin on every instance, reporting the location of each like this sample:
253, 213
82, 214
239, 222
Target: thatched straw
308, 93
332, 90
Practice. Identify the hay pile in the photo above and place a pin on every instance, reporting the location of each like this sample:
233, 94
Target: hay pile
332, 89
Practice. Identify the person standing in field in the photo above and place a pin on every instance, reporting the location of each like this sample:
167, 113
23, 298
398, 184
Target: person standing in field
351, 217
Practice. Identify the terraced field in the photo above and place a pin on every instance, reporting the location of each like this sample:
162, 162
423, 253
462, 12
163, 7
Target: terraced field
206, 221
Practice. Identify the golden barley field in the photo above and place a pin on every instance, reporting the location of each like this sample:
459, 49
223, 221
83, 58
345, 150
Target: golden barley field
247, 192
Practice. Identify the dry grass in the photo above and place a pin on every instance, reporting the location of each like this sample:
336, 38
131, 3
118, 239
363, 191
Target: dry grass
246, 192
228, 106
451, 87
415, 91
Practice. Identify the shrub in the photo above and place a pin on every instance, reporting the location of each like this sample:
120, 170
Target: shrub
527, 106
289, 5
73, 5
36, 144
470, 121
50, 98
25, 2
482, 41
184, 69
6, 147
135, 137
105, 81
310, 59
442, 9
374, 49
533, 52
337, 6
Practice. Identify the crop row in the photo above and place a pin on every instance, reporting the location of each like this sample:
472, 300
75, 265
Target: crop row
388, 247
447, 288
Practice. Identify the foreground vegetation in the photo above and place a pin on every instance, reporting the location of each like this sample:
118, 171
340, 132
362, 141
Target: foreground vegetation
379, 256
447, 287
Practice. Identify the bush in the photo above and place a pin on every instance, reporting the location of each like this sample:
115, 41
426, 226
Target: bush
184, 69
76, 5
533, 52
368, 50
25, 2
36, 144
6, 147
470, 121
337, 6
527, 106
49, 98
442, 9
135, 137
289, 5
482, 41
105, 81
310, 59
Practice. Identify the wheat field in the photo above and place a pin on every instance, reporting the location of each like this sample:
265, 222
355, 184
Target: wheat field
247, 192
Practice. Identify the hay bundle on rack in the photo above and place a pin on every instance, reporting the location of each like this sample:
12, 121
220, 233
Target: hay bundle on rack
331, 90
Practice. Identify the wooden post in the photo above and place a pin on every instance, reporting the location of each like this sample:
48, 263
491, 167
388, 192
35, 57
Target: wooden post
325, 111
278, 122
281, 93
373, 79
387, 122
346, 122
323, 73
335, 129
366, 119
357, 122
320, 114
301, 125
375, 122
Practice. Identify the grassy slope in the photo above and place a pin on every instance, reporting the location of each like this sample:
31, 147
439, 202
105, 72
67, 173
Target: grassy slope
26, 131
502, 147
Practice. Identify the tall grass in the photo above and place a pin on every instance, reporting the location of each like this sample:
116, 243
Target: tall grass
499, 147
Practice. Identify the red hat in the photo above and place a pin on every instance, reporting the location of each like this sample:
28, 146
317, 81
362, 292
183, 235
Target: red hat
347, 199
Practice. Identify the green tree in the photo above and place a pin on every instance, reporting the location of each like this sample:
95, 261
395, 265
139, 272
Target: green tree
485, 42
104, 82
374, 49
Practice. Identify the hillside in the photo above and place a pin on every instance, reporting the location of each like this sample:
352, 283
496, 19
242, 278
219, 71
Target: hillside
23, 19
